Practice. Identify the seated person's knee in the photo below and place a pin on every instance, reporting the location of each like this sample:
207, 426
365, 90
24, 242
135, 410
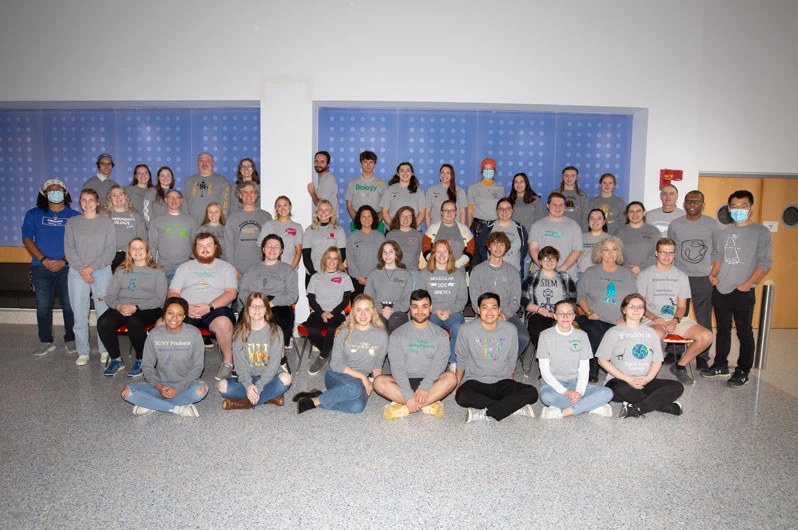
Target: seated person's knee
285, 378
125, 393
221, 386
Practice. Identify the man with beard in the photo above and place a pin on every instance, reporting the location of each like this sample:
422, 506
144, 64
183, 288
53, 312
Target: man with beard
205, 187
209, 286
327, 188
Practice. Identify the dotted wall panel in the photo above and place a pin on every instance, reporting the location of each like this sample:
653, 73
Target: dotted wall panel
38, 144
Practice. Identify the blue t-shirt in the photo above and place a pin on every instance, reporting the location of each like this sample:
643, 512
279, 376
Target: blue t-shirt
46, 229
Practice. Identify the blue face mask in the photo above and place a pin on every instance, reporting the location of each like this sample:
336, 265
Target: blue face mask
55, 196
739, 216
488, 174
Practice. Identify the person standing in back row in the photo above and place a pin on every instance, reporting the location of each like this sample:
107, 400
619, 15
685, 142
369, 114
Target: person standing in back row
482, 198
365, 189
205, 187
102, 181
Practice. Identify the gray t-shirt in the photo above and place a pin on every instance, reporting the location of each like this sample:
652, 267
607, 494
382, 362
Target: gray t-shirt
662, 289
172, 238
241, 231
613, 208
564, 234
397, 196
278, 280
503, 281
410, 243
136, 195
604, 291
739, 249
630, 350
483, 199
694, 243
360, 191
329, 288
576, 207
661, 220
487, 356
142, 286
202, 284
639, 244
418, 354
89, 242
176, 358
152, 206
320, 239
564, 351
395, 286
199, 192
437, 195
290, 232
101, 186
361, 252
128, 225
454, 235
217, 231
449, 292
364, 351
515, 254
259, 356
328, 189
527, 214
588, 243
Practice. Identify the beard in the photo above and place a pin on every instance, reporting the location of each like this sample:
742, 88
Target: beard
206, 260
320, 169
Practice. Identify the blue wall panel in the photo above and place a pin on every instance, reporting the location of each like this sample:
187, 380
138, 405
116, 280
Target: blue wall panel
20, 168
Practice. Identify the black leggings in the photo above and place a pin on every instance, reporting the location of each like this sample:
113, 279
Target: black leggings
655, 395
315, 324
136, 329
284, 317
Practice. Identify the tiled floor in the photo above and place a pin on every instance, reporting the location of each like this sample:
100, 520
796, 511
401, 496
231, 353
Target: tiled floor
73, 456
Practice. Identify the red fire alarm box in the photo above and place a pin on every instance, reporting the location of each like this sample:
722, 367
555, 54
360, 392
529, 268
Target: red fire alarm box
666, 176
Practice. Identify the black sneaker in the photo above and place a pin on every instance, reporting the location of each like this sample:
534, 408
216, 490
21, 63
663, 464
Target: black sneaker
715, 371
284, 365
674, 408
681, 373
701, 364
669, 358
630, 411
208, 342
738, 379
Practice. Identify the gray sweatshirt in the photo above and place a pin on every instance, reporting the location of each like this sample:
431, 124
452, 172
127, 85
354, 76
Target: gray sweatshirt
363, 351
329, 288
278, 280
199, 192
639, 244
487, 356
361, 252
143, 286
410, 243
739, 249
390, 286
320, 239
503, 281
89, 242
176, 358
128, 225
259, 355
694, 243
171, 238
241, 231
449, 292
604, 291
418, 354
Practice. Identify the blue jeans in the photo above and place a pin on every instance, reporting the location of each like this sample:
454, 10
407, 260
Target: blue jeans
79, 293
344, 393
274, 388
594, 397
47, 284
170, 274
146, 395
452, 325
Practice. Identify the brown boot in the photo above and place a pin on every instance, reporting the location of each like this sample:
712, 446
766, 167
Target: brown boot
278, 401
234, 404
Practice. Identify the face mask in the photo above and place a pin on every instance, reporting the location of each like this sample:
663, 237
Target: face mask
55, 196
487, 174
739, 216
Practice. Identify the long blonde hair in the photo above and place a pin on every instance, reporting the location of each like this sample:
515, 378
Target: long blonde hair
109, 208
333, 218
149, 261
349, 323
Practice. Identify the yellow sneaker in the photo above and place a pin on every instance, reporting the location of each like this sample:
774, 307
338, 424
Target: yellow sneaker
394, 411
434, 409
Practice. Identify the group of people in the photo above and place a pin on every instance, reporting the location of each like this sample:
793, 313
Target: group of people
154, 258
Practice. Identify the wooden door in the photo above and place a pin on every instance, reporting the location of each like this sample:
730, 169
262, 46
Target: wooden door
771, 197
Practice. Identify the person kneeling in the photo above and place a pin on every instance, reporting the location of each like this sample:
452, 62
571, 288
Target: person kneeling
419, 354
487, 351
257, 350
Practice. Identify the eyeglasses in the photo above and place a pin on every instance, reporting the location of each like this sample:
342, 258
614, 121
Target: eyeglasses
635, 307
549, 258
506, 209
569, 314
272, 246
247, 167
448, 211
257, 306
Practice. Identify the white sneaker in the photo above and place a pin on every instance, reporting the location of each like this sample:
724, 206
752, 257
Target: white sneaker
551, 413
604, 411
190, 411
141, 411
526, 410
82, 360
42, 349
452, 367
290, 345
104, 358
475, 415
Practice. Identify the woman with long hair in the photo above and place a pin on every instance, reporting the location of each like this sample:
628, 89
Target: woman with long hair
358, 353
576, 200
214, 222
527, 205
289, 231
447, 286
403, 190
89, 244
174, 358
362, 247
639, 238
447, 190
319, 236
404, 232
257, 350
610, 204
596, 232
135, 299
155, 197
632, 356
142, 181
390, 285
128, 223
329, 292
246, 172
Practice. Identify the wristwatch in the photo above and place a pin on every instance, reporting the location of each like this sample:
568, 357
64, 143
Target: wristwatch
210, 308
